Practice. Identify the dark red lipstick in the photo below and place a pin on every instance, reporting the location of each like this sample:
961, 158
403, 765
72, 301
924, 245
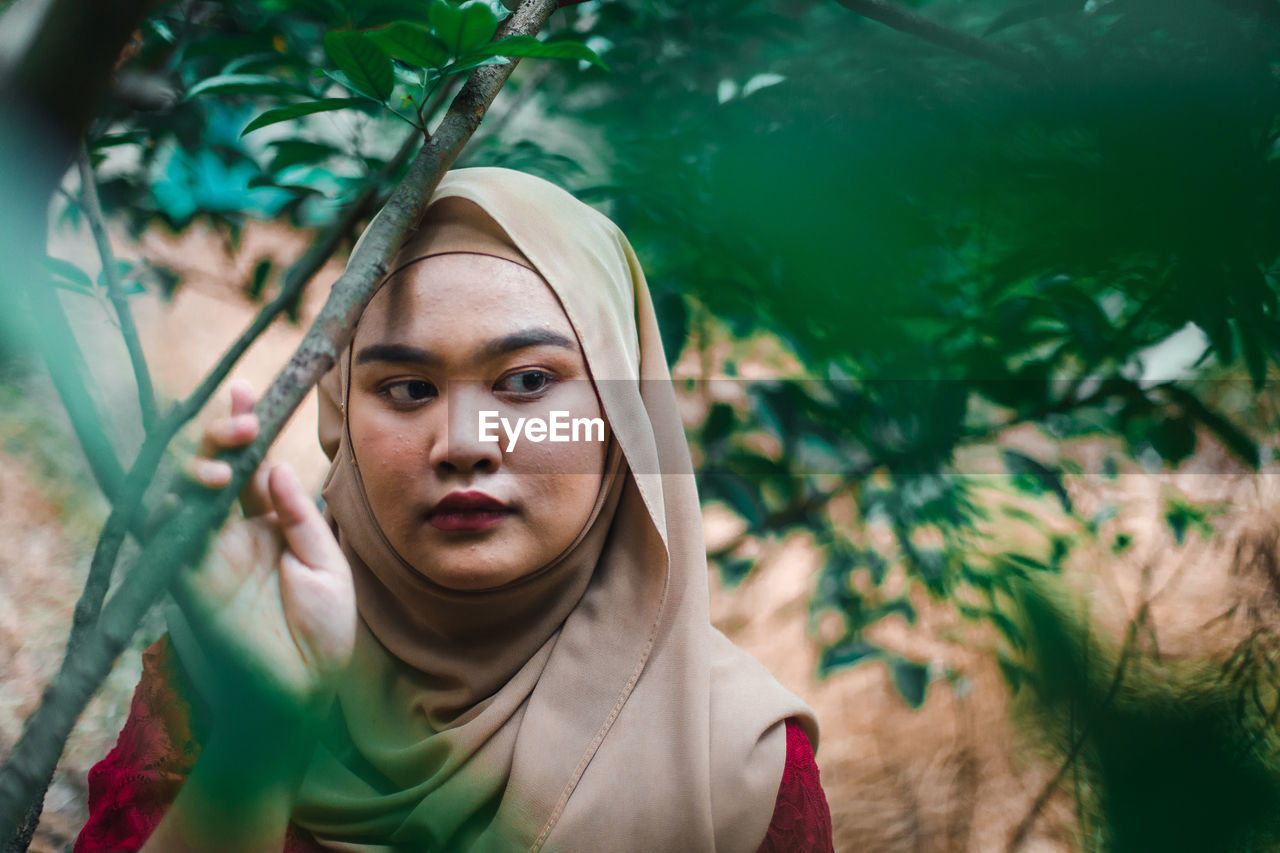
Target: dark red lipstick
467, 511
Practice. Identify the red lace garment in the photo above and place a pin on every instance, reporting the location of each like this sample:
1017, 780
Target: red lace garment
131, 788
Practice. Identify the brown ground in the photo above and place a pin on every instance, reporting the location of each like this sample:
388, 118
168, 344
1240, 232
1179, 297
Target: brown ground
958, 774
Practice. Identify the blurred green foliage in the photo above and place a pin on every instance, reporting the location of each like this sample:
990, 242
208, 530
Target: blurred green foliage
947, 249
1177, 757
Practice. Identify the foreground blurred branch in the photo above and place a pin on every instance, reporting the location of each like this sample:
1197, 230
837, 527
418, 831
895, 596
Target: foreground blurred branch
65, 362
906, 21
182, 539
115, 289
55, 67
127, 510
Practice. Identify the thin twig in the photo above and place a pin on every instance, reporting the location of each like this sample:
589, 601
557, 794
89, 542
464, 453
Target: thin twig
433, 106
906, 21
115, 290
182, 540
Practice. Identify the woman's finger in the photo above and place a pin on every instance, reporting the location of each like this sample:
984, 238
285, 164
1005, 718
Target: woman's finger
225, 433
304, 528
254, 498
240, 429
242, 397
210, 473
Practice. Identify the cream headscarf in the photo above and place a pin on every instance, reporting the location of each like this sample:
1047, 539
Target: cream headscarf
589, 706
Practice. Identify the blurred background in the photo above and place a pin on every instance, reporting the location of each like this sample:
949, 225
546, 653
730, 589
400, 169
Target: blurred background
972, 311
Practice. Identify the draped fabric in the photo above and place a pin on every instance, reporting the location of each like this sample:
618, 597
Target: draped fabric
135, 783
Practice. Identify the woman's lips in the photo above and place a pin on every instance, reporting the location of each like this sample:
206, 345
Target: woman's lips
467, 511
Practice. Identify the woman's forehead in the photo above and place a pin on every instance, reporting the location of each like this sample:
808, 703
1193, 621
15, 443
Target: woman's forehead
460, 298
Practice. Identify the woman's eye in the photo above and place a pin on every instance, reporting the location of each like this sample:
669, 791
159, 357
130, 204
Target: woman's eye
525, 382
410, 391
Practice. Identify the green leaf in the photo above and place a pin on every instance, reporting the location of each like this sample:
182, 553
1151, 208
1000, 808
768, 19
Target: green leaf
366, 64
469, 64
848, 654
109, 140
123, 270
413, 44
252, 84
1018, 562
733, 570
719, 423
68, 276
1182, 516
298, 152
738, 493
463, 28
268, 57
1174, 439
911, 679
280, 114
531, 47
297, 189
1006, 626
258, 281
1013, 672
1047, 478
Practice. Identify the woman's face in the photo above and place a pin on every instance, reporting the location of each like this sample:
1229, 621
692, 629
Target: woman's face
450, 341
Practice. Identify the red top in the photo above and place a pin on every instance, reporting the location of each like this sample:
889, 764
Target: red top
131, 788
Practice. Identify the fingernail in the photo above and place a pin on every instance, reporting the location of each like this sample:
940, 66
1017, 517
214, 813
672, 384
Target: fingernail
212, 470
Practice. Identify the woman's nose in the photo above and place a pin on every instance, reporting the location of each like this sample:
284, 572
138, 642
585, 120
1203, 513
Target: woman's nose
460, 448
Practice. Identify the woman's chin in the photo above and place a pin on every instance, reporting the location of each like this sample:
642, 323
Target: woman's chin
469, 573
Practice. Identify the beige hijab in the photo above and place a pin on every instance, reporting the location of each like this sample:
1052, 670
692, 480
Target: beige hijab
589, 706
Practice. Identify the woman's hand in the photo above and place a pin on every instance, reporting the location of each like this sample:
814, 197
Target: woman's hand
274, 611
272, 604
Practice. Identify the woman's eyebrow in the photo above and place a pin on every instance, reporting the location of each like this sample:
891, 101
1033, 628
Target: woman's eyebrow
404, 354
524, 339
398, 353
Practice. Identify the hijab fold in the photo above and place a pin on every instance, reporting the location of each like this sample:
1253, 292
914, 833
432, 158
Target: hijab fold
589, 705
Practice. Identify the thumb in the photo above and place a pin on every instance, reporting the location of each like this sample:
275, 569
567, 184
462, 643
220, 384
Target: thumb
304, 528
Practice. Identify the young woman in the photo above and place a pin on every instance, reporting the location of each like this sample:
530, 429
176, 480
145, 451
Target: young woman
484, 645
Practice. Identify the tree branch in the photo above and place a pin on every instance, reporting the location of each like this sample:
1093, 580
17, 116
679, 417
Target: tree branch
906, 21
125, 515
295, 279
115, 291
182, 540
